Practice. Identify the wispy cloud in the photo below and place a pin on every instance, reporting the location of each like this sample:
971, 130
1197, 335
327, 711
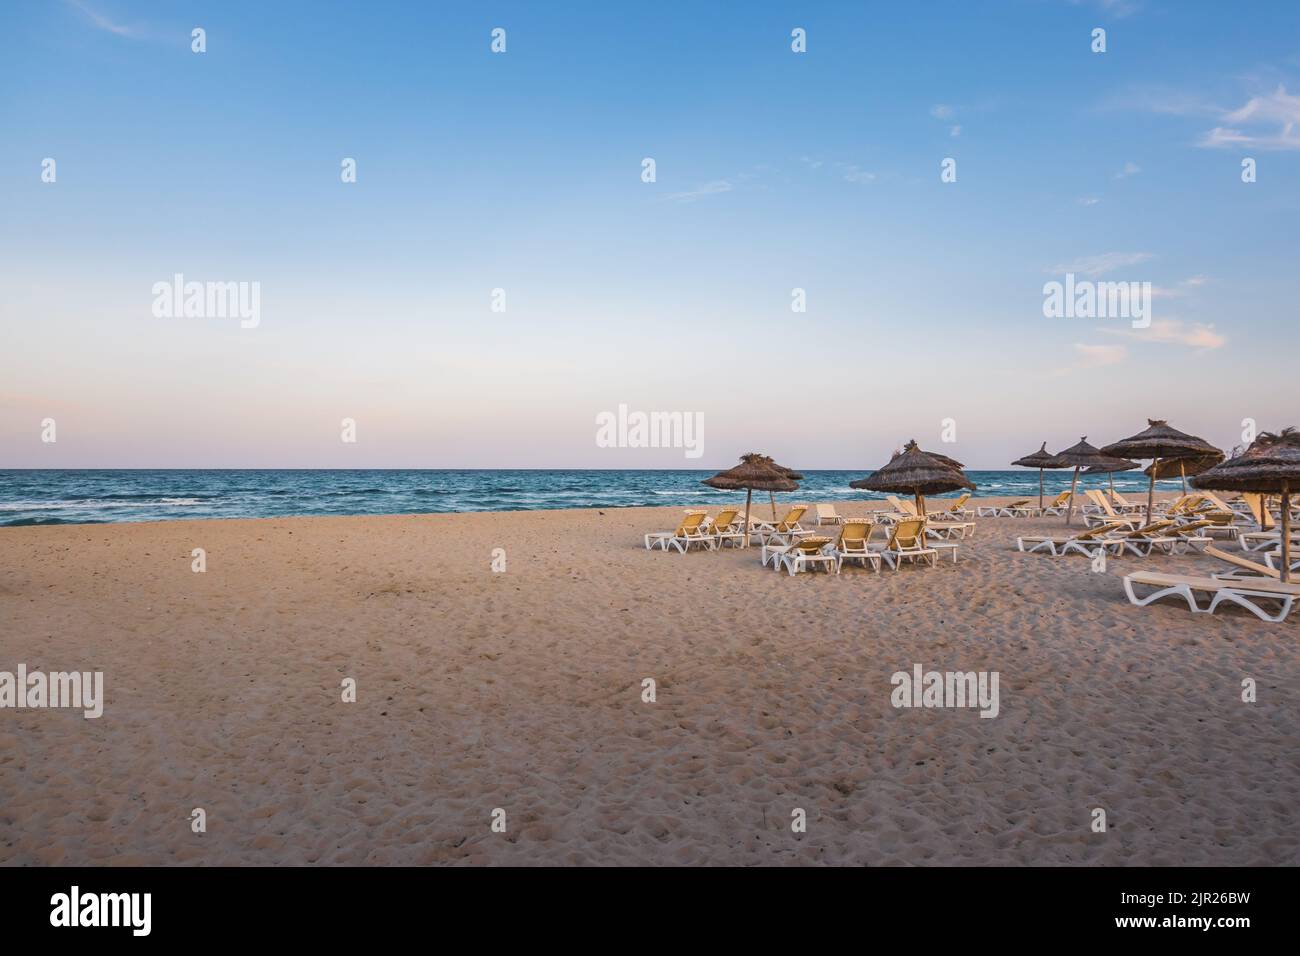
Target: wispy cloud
1271, 121
855, 174
712, 188
1101, 264
1173, 332
1088, 200
1130, 169
944, 111
1265, 121
104, 23
849, 172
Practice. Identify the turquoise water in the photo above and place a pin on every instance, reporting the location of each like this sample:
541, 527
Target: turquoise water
88, 496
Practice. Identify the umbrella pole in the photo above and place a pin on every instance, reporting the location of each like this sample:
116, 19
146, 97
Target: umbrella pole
1069, 509
1151, 492
749, 493
1286, 534
920, 504
1040, 491
1112, 486
1182, 470
772, 497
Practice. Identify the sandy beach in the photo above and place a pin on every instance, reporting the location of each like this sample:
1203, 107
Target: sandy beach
522, 690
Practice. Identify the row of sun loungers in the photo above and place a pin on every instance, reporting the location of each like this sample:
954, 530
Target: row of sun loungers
787, 544
1186, 524
906, 542
1119, 537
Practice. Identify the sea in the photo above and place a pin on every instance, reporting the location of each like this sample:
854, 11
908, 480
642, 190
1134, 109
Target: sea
83, 496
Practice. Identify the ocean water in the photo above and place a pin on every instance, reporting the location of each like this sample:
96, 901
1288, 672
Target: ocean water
35, 497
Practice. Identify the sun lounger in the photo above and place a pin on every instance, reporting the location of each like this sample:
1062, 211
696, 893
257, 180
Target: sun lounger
949, 530
1015, 509
900, 506
954, 512
726, 527
907, 541
1058, 505
826, 514
690, 531
1274, 560
1105, 514
1085, 542
810, 552
1244, 592
1190, 535
1142, 541
1261, 540
1180, 505
1123, 505
853, 544
785, 529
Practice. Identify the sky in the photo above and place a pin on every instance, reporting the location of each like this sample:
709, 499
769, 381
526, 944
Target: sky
522, 171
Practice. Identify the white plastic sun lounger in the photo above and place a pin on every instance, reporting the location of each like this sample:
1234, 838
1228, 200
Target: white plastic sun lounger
1014, 509
1087, 543
826, 514
1244, 592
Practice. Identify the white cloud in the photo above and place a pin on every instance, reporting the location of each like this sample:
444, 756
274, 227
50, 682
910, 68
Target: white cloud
1102, 264
942, 111
1088, 200
954, 131
1130, 169
1271, 121
1174, 332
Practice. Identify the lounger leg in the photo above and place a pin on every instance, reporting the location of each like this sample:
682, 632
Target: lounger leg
1240, 598
1181, 590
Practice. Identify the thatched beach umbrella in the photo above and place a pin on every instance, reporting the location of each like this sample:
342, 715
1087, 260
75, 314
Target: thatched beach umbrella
780, 470
917, 473
1079, 456
752, 473
1183, 468
1040, 459
1271, 465
952, 463
1156, 442
1109, 467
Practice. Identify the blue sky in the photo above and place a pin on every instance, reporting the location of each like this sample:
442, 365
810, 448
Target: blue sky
521, 171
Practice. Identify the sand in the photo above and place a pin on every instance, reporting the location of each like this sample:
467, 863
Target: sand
522, 691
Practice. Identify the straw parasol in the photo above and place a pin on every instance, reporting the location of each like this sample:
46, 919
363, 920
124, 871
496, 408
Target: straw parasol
752, 473
1079, 456
952, 463
1183, 468
912, 471
780, 470
1109, 467
1040, 459
1271, 465
1158, 441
